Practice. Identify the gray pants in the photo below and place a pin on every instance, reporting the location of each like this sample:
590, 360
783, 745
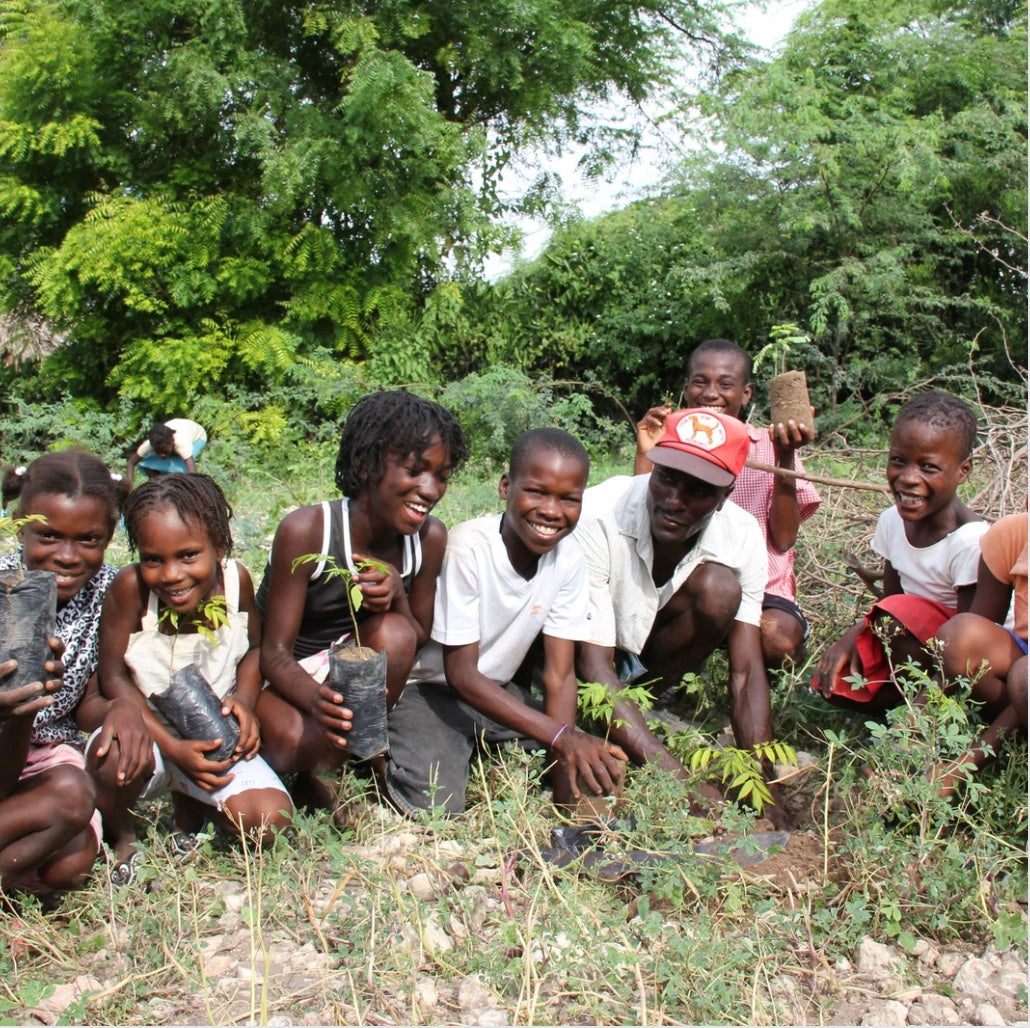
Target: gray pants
433, 736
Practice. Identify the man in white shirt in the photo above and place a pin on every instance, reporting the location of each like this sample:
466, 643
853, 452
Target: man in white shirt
674, 572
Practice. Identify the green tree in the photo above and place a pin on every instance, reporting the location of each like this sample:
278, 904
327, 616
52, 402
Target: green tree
203, 192
855, 151
843, 181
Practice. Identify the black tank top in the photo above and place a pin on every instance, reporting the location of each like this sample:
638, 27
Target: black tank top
326, 616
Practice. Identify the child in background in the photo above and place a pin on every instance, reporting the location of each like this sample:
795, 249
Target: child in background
506, 580
930, 543
172, 446
397, 452
979, 636
719, 378
50, 833
179, 526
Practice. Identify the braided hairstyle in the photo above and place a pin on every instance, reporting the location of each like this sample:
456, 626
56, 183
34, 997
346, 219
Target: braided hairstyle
945, 411
73, 472
392, 423
197, 499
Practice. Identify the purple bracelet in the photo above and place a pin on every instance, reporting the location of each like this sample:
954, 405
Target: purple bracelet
557, 735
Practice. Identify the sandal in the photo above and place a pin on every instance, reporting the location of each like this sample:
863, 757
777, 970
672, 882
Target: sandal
183, 845
124, 872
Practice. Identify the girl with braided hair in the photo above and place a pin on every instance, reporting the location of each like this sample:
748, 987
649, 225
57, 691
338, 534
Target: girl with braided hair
50, 833
156, 620
396, 455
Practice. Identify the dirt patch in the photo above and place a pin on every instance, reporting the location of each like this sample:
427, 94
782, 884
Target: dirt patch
802, 864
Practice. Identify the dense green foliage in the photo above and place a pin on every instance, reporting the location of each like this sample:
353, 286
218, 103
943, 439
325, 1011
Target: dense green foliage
209, 193
867, 184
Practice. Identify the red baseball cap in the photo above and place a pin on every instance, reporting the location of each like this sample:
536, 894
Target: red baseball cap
703, 443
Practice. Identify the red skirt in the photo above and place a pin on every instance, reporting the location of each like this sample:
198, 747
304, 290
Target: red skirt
916, 614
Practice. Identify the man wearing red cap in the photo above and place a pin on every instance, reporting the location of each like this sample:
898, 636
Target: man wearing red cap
674, 572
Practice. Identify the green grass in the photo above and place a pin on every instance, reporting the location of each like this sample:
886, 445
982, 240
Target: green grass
396, 921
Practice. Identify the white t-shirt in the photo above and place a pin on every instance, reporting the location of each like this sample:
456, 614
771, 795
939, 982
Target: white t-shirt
615, 533
187, 434
935, 572
481, 598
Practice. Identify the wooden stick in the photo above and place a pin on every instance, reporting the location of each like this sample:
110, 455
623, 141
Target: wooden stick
844, 483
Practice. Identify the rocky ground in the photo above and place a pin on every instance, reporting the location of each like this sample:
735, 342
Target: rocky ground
275, 978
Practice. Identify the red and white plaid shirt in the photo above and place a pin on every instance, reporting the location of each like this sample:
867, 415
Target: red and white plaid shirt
753, 492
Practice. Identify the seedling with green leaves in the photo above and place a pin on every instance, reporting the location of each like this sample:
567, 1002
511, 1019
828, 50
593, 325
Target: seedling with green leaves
351, 587
597, 702
738, 769
206, 618
783, 339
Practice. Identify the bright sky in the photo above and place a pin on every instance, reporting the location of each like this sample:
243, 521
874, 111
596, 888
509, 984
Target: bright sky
765, 24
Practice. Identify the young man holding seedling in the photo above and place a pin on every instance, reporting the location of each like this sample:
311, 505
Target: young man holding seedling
675, 570
506, 580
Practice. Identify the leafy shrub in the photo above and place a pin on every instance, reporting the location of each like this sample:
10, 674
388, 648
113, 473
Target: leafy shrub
495, 406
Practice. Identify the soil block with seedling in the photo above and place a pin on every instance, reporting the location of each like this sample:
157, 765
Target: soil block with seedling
28, 617
357, 672
788, 390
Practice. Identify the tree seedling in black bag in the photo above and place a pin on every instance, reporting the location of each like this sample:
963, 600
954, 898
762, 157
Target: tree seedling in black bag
28, 614
189, 703
357, 672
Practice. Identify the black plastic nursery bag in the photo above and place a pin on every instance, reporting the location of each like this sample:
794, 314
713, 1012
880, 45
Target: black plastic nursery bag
191, 706
28, 620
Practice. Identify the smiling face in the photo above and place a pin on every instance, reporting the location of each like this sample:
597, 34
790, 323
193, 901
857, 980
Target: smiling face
680, 505
177, 561
925, 465
70, 543
410, 488
544, 498
717, 379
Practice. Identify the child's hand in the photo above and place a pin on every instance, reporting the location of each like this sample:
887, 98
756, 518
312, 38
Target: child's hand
834, 659
124, 729
379, 589
34, 696
26, 700
651, 426
250, 731
788, 436
598, 764
329, 711
189, 754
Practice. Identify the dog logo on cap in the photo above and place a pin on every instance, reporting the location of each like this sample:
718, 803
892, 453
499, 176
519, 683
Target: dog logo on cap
702, 430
